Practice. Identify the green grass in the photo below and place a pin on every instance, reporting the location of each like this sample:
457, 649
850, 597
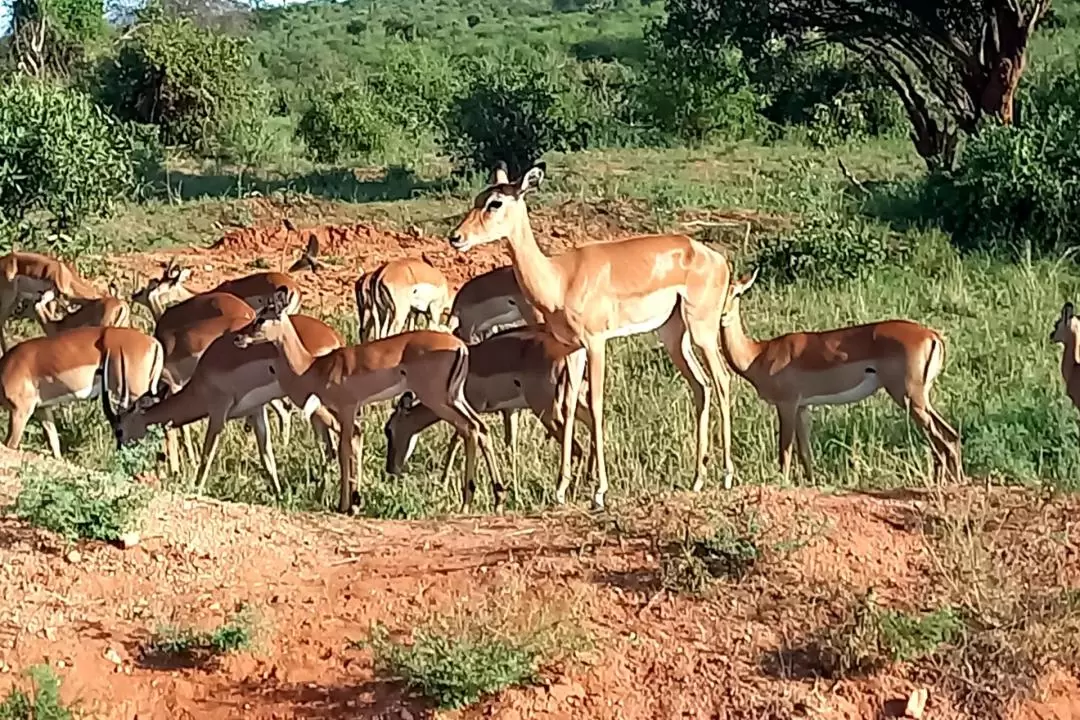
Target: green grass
78, 503
41, 702
189, 645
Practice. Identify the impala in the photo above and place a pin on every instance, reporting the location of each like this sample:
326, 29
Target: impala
667, 283
43, 372
513, 370
161, 293
1067, 332
106, 311
23, 274
432, 365
794, 372
228, 383
489, 303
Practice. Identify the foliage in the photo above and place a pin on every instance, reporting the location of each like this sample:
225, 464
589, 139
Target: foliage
191, 82
42, 703
514, 112
347, 121
455, 670
694, 93
828, 247
59, 154
53, 36
731, 551
1016, 190
79, 504
200, 646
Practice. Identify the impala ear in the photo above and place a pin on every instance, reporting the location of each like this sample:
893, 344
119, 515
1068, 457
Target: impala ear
114, 290
500, 174
1067, 311
406, 402
532, 179
742, 285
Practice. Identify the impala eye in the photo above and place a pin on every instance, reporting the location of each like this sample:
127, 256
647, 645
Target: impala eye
494, 205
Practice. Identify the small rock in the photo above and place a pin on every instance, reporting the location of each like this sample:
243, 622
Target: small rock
129, 540
114, 657
61, 664
916, 704
74, 556
207, 267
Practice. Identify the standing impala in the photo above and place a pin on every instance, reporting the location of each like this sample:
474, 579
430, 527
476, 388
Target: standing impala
667, 283
432, 365
794, 372
29, 274
107, 311
228, 383
43, 372
1067, 332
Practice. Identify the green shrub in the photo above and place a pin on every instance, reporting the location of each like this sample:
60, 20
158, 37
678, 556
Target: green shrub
59, 154
512, 111
79, 503
731, 551
455, 670
191, 82
828, 248
347, 121
1015, 190
41, 703
200, 646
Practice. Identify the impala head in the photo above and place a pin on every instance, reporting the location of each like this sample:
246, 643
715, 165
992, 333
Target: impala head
736, 290
1067, 327
401, 433
498, 210
268, 323
127, 425
161, 291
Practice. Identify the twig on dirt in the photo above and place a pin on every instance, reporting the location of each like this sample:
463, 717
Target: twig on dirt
851, 178
652, 601
347, 561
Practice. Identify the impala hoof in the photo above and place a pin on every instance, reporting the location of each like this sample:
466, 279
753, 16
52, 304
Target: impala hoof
729, 478
560, 497
699, 483
598, 502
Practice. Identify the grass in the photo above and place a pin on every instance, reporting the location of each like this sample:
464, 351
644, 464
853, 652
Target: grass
42, 702
191, 647
78, 503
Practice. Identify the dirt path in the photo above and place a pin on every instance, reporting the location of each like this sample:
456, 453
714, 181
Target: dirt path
317, 582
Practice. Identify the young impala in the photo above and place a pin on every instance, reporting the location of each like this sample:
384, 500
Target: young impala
518, 369
107, 311
794, 372
1067, 332
25, 274
432, 365
667, 283
43, 372
161, 293
228, 383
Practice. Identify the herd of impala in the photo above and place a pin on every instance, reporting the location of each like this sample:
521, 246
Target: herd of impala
519, 337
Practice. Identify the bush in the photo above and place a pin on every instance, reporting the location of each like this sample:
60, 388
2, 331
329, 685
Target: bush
828, 248
191, 82
454, 670
42, 703
515, 112
697, 94
197, 647
59, 154
345, 122
79, 504
1015, 190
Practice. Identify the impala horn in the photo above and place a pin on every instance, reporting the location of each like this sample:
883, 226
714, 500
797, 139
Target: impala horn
308, 260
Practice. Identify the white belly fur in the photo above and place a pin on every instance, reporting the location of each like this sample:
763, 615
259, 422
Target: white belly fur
664, 302
88, 392
863, 390
259, 396
423, 295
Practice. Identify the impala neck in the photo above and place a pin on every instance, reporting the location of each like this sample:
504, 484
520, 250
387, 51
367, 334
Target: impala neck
176, 410
288, 342
739, 350
536, 273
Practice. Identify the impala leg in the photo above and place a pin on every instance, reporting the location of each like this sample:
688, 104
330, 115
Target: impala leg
498, 490
266, 450
468, 488
952, 440
677, 342
451, 453
189, 443
788, 417
8, 301
210, 445
347, 417
17, 426
172, 450
595, 362
48, 422
721, 378
575, 375
802, 440
510, 430
285, 417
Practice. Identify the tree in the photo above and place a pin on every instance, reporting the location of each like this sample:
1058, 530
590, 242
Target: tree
951, 62
53, 35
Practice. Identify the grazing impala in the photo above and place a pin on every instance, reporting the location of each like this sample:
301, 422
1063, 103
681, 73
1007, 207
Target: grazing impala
107, 311
432, 365
513, 370
667, 283
168, 290
489, 303
797, 371
228, 383
1067, 332
23, 274
43, 372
